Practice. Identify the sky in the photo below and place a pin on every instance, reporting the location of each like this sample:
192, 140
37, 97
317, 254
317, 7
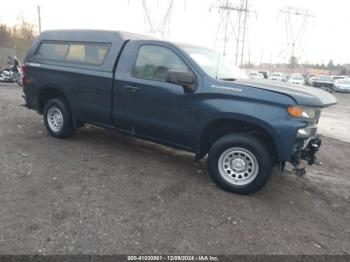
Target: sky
197, 22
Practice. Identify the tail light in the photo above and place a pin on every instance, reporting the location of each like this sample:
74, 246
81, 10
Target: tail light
22, 69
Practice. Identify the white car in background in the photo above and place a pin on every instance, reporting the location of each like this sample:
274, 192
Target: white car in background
338, 77
256, 75
342, 85
277, 76
296, 79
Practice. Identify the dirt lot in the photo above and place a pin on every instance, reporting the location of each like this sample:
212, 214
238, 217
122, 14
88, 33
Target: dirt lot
102, 193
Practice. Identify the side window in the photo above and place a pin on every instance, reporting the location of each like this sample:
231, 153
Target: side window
87, 53
53, 51
76, 53
154, 62
83, 53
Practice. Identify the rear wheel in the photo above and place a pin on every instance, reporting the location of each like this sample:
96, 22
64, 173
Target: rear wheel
239, 163
57, 118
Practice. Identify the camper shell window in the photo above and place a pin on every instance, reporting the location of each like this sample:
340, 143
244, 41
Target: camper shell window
72, 52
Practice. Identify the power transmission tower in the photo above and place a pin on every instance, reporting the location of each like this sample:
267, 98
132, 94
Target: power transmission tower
296, 21
227, 28
162, 27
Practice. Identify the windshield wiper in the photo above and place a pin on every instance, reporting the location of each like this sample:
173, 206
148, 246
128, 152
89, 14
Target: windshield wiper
228, 79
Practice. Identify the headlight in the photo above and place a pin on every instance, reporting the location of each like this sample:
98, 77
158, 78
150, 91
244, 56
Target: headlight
303, 112
307, 132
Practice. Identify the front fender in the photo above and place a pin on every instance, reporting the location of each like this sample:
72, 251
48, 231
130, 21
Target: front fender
271, 118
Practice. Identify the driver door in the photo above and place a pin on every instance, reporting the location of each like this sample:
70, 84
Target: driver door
147, 105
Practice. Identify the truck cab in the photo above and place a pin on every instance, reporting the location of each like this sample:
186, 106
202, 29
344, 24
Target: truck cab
179, 95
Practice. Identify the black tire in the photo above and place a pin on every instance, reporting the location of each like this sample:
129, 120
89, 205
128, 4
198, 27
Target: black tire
253, 146
66, 128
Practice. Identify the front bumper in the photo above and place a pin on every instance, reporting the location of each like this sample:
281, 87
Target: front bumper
342, 89
309, 152
296, 83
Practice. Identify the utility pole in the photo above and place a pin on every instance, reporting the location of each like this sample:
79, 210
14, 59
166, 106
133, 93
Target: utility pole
249, 57
39, 19
261, 56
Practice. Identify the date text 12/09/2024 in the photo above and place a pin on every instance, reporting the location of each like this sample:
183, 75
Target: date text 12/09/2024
172, 258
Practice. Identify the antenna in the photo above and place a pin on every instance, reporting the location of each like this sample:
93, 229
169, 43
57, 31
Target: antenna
226, 28
295, 33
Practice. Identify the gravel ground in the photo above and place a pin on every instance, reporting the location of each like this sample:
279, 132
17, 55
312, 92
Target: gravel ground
102, 193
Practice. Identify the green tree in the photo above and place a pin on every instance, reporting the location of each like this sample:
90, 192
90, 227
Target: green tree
330, 65
293, 62
343, 71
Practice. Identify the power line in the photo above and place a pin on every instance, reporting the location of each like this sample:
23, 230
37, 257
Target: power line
295, 33
226, 28
244, 30
161, 27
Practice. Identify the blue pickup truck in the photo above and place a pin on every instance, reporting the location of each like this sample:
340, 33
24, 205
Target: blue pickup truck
179, 95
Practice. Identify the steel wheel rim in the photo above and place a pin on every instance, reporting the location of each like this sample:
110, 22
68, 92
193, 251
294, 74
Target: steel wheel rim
55, 119
238, 166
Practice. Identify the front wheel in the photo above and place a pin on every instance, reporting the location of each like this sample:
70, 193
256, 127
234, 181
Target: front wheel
57, 118
239, 163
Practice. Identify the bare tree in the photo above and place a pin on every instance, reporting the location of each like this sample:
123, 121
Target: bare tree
19, 37
5, 36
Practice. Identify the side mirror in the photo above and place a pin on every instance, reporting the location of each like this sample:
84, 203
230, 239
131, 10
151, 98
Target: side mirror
186, 79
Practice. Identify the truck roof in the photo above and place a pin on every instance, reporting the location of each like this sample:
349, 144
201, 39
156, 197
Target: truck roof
91, 35
115, 38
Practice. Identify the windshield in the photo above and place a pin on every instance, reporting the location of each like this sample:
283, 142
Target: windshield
276, 74
214, 64
324, 78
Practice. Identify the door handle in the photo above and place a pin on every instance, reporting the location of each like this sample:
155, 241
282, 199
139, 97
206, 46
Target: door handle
132, 89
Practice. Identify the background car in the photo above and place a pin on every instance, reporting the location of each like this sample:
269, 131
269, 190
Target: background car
324, 82
335, 78
278, 76
256, 75
296, 79
342, 85
265, 74
309, 80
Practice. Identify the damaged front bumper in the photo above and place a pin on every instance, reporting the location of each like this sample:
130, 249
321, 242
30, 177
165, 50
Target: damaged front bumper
308, 154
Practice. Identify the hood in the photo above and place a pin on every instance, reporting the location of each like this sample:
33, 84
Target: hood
303, 95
